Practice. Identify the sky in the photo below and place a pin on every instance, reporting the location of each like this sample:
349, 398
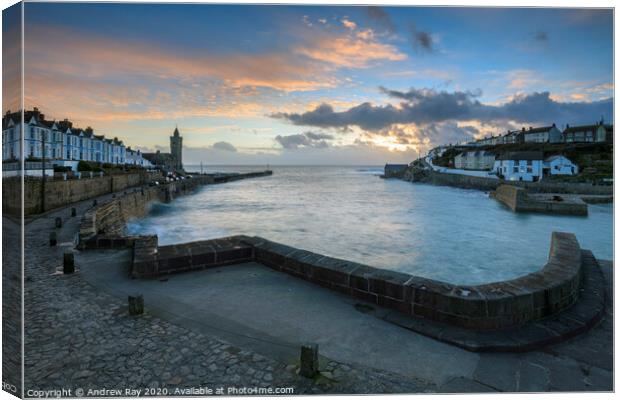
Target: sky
313, 85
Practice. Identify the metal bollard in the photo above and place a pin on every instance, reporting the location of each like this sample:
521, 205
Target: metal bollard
309, 360
68, 264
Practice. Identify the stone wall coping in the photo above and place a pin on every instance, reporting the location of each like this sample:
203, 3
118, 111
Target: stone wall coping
487, 306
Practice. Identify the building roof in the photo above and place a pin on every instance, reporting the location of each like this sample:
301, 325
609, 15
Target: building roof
555, 157
541, 129
586, 128
522, 155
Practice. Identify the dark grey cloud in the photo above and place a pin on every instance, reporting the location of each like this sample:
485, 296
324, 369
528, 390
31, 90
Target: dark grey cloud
306, 139
381, 18
318, 136
541, 36
427, 106
421, 40
225, 146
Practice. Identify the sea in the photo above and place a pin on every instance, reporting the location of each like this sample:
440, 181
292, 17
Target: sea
455, 235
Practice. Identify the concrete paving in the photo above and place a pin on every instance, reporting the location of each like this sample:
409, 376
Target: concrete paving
252, 305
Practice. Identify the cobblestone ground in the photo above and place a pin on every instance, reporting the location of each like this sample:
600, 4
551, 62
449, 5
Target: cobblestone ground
11, 306
77, 337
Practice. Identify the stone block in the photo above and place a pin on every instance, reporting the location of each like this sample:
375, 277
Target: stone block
388, 283
358, 279
235, 254
365, 296
203, 256
394, 304
333, 270
309, 361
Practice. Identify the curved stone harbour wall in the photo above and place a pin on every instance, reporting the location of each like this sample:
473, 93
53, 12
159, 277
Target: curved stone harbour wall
490, 306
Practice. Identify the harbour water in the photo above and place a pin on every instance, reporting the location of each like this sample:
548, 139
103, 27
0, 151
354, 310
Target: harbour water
454, 235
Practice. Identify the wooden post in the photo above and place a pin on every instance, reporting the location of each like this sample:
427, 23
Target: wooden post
309, 360
136, 304
68, 265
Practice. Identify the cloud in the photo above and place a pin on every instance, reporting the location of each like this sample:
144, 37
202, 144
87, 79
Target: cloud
427, 106
307, 139
541, 36
421, 40
381, 18
351, 51
224, 146
348, 23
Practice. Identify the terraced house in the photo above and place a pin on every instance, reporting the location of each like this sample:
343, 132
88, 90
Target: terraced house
60, 142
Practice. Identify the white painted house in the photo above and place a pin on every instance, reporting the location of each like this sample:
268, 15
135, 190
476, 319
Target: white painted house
544, 134
58, 141
474, 160
559, 165
520, 166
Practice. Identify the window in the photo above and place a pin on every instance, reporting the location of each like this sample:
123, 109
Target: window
515, 169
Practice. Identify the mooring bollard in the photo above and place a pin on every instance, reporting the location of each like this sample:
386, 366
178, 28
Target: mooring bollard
58, 222
68, 264
73, 212
136, 304
95, 202
309, 360
53, 239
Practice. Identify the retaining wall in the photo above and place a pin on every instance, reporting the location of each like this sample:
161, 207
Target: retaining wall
59, 193
487, 184
483, 307
517, 199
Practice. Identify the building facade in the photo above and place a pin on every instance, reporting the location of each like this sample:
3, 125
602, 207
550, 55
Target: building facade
597, 133
57, 141
520, 166
474, 160
545, 134
559, 165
